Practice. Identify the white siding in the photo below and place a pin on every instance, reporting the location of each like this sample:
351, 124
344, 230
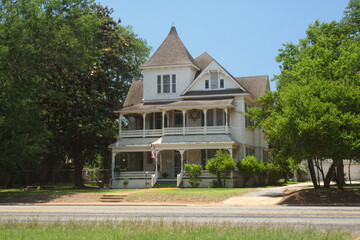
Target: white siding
184, 76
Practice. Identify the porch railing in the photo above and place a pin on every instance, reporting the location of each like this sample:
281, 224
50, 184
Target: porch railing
153, 179
133, 175
175, 131
179, 178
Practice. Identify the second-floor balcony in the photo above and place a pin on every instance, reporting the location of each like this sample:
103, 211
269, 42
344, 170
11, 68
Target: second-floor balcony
175, 131
190, 117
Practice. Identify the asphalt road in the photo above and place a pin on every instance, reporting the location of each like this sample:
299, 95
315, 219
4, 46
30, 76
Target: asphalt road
318, 217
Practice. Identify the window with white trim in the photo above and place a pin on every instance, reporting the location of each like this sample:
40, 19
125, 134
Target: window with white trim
158, 84
249, 151
207, 84
165, 84
173, 83
222, 85
214, 80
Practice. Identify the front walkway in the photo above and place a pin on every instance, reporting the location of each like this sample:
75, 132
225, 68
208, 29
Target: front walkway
264, 196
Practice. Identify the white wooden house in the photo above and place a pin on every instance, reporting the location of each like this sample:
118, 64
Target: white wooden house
187, 109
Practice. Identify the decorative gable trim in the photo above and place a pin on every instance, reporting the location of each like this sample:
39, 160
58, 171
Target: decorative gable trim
207, 70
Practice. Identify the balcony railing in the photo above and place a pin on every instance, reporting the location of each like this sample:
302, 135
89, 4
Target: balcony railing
175, 131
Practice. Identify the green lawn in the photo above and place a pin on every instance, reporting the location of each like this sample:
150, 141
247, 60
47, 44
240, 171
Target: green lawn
55, 189
132, 229
186, 195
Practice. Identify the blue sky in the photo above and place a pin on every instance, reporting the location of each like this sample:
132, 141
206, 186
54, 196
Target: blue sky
242, 35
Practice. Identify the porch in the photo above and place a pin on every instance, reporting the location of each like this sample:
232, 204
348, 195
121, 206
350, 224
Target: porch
188, 117
144, 172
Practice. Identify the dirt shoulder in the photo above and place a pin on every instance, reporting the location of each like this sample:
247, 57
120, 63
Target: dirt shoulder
348, 197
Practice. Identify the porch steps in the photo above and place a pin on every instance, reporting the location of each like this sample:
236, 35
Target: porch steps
113, 197
165, 183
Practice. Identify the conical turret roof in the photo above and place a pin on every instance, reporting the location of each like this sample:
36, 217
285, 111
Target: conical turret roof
171, 52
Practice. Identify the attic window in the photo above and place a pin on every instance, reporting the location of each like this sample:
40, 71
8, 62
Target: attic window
206, 84
214, 80
221, 83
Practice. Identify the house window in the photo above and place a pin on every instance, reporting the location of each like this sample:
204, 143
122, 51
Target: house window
206, 84
265, 156
219, 117
210, 117
221, 83
166, 84
158, 120
249, 151
248, 123
173, 83
214, 80
158, 84
149, 160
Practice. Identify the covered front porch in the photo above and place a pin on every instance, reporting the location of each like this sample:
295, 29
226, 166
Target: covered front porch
172, 154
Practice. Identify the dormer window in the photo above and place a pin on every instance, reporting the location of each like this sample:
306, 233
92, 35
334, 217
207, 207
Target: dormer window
214, 80
206, 84
221, 83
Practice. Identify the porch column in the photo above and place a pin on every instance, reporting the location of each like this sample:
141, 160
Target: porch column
120, 125
230, 151
156, 160
184, 114
160, 160
226, 121
205, 111
144, 118
163, 123
182, 159
113, 154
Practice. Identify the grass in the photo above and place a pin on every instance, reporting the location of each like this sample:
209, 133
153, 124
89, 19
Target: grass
132, 229
54, 189
186, 195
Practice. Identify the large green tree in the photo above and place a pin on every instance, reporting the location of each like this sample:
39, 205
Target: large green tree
71, 65
315, 111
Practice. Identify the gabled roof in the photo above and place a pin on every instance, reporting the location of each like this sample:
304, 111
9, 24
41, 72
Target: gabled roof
171, 52
202, 62
135, 94
255, 85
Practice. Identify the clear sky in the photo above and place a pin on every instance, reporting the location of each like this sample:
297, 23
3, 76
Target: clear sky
242, 35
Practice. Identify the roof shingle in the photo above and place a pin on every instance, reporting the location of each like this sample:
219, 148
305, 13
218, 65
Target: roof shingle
171, 52
255, 85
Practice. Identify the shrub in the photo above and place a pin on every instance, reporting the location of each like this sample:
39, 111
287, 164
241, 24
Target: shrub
126, 181
274, 172
193, 171
248, 167
221, 165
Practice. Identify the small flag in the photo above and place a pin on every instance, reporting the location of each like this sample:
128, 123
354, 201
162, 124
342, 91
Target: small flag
153, 153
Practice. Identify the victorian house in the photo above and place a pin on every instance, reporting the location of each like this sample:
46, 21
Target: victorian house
186, 109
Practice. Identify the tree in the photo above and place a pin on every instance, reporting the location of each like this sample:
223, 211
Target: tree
314, 112
193, 172
221, 165
248, 167
69, 64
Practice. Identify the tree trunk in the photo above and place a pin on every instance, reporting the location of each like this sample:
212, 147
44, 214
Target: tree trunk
329, 175
312, 173
78, 172
349, 171
11, 181
340, 174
